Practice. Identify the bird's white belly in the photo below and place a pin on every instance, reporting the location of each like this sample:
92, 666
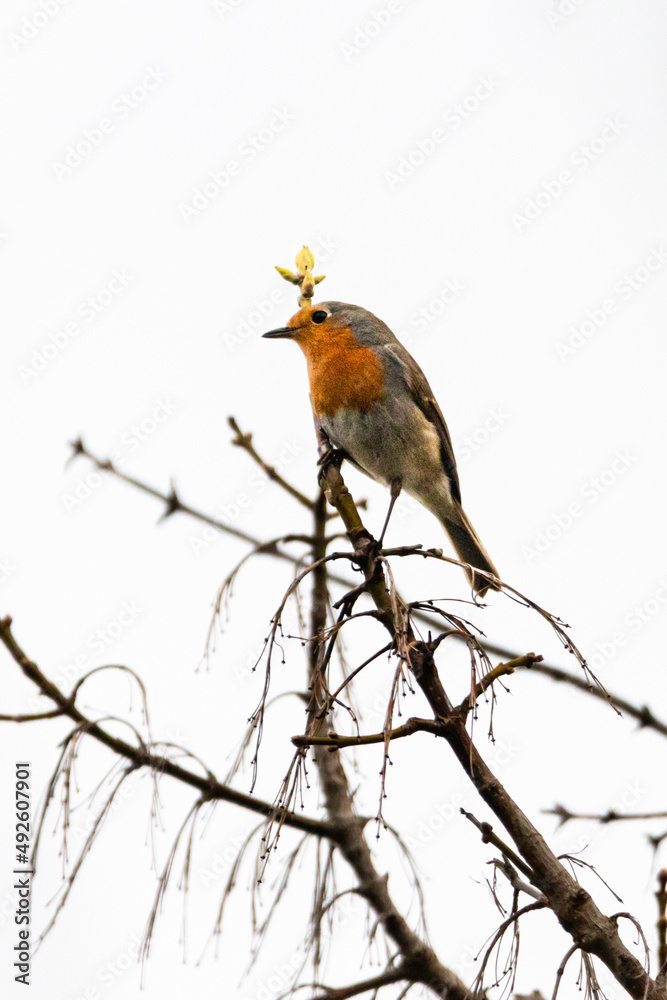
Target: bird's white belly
394, 444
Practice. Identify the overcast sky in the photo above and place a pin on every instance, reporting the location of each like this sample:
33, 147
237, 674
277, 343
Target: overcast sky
487, 178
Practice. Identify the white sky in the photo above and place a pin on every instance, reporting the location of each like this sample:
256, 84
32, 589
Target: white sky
489, 179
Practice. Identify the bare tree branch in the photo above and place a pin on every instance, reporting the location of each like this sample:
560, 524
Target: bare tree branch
611, 816
175, 505
502, 670
412, 660
376, 983
142, 757
661, 897
591, 931
419, 961
34, 717
344, 828
489, 837
415, 725
643, 714
408, 728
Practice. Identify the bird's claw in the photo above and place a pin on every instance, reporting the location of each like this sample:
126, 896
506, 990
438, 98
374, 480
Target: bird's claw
332, 456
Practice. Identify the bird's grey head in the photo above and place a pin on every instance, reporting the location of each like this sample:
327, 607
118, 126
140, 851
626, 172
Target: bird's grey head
367, 328
326, 319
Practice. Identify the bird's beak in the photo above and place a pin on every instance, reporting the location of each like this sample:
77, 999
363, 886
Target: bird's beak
283, 331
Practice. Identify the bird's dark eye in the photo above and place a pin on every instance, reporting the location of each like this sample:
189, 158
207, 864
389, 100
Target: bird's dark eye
319, 316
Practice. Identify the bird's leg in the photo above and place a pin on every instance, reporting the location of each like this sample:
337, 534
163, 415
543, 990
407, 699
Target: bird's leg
332, 456
395, 488
327, 453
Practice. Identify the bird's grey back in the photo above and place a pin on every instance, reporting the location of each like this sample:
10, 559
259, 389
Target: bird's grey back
369, 330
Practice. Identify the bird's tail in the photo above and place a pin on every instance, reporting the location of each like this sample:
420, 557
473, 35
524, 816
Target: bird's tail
469, 549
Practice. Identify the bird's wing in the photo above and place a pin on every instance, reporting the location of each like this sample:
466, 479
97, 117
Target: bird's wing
404, 366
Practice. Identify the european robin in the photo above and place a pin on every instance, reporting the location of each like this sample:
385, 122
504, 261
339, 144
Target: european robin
373, 403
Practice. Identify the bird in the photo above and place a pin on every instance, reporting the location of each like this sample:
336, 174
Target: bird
374, 405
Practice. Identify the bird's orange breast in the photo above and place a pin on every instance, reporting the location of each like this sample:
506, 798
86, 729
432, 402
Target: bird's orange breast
343, 374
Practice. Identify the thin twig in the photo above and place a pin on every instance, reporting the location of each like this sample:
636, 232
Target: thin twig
556, 623
35, 717
611, 816
376, 983
502, 670
410, 727
561, 969
244, 441
489, 837
513, 919
517, 884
